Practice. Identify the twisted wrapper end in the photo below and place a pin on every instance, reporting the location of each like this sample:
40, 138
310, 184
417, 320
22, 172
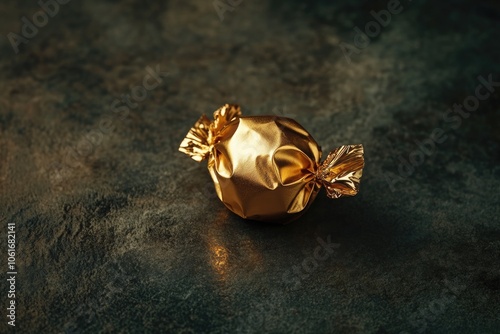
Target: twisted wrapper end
341, 172
196, 142
203, 135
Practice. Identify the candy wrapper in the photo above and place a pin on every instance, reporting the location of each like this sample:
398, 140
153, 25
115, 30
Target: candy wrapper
268, 168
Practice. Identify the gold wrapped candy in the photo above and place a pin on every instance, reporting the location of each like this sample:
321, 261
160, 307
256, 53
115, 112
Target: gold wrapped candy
267, 167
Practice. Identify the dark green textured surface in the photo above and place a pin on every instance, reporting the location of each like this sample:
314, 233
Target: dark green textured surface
126, 235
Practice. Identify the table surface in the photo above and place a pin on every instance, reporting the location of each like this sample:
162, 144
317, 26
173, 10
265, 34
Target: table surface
117, 231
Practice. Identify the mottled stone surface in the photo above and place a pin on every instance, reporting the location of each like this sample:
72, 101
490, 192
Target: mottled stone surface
119, 232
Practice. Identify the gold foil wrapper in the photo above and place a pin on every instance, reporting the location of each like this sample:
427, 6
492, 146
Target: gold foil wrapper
267, 167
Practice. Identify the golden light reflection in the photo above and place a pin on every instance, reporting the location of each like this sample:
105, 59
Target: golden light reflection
220, 259
230, 256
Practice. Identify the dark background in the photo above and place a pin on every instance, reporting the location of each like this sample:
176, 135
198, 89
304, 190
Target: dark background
117, 231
